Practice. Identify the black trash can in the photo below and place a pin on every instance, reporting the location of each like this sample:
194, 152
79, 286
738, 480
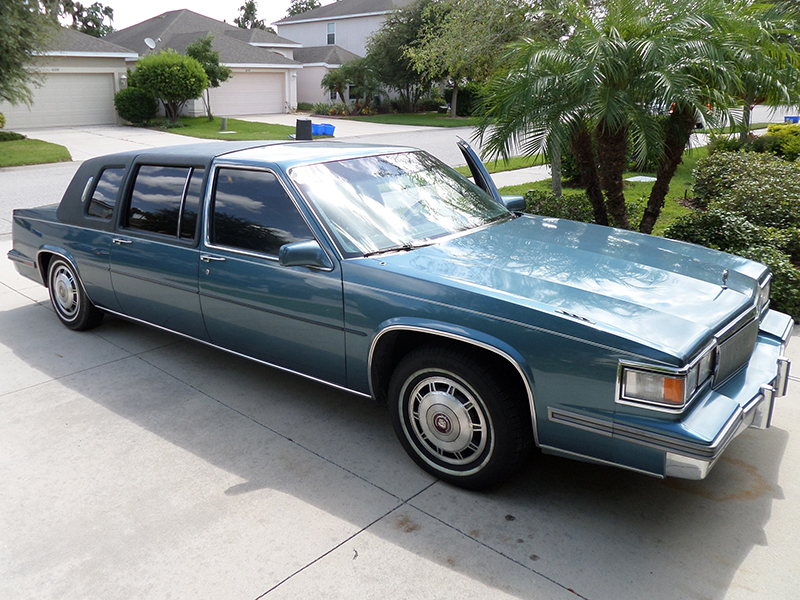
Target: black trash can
303, 129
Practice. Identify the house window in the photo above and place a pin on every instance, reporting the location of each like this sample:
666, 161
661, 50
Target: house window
333, 95
331, 33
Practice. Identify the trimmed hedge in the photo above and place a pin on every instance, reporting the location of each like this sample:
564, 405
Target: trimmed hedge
754, 211
136, 105
10, 136
575, 207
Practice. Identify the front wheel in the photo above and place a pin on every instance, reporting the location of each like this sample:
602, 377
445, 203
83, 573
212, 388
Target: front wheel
457, 419
72, 305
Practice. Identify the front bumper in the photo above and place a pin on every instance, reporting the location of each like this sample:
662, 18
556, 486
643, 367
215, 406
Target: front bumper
747, 400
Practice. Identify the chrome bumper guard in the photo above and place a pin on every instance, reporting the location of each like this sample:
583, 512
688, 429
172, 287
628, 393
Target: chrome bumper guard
757, 414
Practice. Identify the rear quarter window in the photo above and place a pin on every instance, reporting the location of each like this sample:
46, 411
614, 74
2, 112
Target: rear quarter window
104, 196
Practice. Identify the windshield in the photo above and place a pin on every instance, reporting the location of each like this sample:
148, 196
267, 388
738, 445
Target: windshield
393, 201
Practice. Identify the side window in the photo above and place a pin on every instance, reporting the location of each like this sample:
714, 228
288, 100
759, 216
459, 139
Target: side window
156, 199
105, 193
251, 211
331, 33
191, 205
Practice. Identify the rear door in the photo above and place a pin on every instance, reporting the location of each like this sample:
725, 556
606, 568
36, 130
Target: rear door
154, 255
291, 317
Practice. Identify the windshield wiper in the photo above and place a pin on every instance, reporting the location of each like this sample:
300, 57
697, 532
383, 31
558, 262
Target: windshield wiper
398, 248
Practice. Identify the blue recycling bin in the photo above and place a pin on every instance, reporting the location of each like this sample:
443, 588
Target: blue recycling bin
795, 119
327, 129
316, 129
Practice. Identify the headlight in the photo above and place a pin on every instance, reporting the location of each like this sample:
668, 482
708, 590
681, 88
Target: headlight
763, 295
654, 388
663, 388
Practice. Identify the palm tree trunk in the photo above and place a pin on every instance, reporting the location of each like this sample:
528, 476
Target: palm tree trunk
612, 147
555, 167
583, 149
678, 129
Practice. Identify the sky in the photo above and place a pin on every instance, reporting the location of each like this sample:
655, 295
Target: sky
131, 12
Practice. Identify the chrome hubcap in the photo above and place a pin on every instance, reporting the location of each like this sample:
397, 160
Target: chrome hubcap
449, 421
65, 292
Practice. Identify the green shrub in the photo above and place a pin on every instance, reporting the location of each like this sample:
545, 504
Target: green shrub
575, 207
136, 105
304, 106
788, 138
468, 101
2, 120
785, 278
172, 78
321, 108
10, 136
430, 104
716, 228
762, 187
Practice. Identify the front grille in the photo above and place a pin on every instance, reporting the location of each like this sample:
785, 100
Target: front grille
734, 352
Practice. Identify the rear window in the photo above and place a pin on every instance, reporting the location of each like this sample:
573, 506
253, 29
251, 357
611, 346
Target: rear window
105, 193
165, 201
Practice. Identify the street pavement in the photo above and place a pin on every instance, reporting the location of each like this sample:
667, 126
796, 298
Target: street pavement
137, 464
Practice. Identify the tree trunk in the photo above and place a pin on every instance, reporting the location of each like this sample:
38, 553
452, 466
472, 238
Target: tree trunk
555, 167
454, 99
678, 129
207, 102
612, 147
746, 110
583, 149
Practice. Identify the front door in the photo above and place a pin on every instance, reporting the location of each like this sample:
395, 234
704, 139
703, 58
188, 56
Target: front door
291, 317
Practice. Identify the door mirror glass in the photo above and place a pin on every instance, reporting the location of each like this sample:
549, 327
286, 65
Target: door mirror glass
304, 254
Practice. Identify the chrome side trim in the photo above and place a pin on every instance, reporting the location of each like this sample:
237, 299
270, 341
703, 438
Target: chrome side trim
782, 379
467, 340
599, 461
591, 424
60, 254
15, 256
239, 354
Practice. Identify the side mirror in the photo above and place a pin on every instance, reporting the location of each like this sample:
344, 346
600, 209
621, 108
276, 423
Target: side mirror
304, 254
515, 203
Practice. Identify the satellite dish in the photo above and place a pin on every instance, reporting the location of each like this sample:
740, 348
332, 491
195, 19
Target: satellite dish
150, 43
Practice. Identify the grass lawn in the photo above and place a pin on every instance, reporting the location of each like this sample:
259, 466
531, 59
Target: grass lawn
429, 119
636, 190
513, 163
201, 127
31, 152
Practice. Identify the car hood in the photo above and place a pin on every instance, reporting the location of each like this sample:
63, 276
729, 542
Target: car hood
659, 292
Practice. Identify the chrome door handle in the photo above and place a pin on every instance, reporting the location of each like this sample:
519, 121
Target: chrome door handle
208, 259
120, 241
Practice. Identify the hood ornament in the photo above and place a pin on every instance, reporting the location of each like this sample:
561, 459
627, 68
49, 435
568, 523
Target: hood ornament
725, 279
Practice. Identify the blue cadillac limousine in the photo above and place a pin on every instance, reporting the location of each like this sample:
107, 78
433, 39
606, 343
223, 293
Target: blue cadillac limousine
381, 271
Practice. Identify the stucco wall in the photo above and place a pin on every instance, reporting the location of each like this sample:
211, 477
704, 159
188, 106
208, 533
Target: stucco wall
351, 33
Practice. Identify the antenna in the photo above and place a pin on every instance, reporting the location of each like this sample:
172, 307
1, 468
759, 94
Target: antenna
150, 43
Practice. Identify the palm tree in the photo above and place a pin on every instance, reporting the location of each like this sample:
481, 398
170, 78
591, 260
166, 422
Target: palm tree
613, 77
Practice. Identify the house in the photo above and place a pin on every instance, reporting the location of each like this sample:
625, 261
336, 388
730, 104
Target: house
264, 71
317, 61
347, 23
332, 35
80, 76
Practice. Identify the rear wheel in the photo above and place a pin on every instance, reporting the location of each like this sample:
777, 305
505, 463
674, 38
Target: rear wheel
72, 305
457, 419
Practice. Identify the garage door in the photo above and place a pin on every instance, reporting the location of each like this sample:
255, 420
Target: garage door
249, 94
66, 99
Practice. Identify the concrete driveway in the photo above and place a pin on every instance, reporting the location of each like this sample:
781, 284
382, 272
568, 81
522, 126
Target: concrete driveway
135, 464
